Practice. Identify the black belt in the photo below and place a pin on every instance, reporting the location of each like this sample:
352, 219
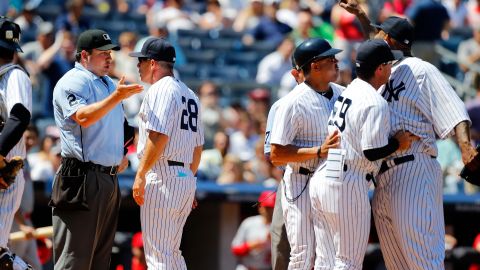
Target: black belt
175, 163
394, 162
304, 171
111, 170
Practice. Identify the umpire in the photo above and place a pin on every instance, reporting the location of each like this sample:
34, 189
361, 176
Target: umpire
85, 197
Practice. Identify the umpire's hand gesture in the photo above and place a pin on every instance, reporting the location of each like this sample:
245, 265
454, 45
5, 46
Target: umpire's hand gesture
124, 91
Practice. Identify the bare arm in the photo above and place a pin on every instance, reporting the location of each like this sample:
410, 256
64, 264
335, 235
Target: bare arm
90, 114
154, 147
354, 7
197, 154
290, 153
462, 132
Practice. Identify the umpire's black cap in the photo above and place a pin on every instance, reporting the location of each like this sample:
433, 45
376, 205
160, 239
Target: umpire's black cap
398, 28
312, 49
95, 39
158, 49
9, 34
372, 53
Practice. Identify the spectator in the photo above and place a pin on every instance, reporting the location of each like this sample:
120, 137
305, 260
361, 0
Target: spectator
430, 19
212, 118
172, 16
29, 22
257, 169
72, 20
473, 109
232, 170
468, 54
211, 161
249, 17
41, 163
476, 247
457, 10
394, 8
473, 9
259, 103
128, 65
138, 253
213, 18
269, 29
308, 28
273, 66
242, 141
251, 244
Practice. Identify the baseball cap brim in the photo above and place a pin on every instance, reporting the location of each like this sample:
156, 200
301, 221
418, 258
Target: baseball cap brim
13, 46
330, 52
108, 47
137, 54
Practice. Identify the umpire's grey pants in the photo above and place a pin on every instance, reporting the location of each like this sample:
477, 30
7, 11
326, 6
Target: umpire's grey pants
83, 240
278, 233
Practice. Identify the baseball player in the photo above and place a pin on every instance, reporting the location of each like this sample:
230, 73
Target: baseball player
299, 139
339, 187
280, 246
15, 108
169, 149
408, 201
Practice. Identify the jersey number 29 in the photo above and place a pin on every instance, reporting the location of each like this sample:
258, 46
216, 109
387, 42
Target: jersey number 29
338, 114
189, 115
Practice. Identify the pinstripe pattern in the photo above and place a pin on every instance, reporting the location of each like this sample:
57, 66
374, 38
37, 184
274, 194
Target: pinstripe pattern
340, 204
169, 192
408, 203
301, 120
19, 90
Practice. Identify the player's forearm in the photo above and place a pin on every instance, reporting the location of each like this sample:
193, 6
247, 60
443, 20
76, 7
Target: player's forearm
462, 132
90, 114
197, 154
282, 154
14, 127
154, 147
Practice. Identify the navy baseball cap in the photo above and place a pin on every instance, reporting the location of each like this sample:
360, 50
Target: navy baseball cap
95, 39
158, 49
9, 34
312, 49
372, 53
398, 28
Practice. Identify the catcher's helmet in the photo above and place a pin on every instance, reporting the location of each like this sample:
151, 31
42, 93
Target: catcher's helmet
9, 34
312, 49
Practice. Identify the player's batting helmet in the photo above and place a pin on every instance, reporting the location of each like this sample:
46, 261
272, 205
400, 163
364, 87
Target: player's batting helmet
313, 49
9, 34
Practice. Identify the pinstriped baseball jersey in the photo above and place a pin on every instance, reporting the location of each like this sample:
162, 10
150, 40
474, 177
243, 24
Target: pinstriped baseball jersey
339, 193
170, 108
407, 203
15, 87
422, 102
301, 120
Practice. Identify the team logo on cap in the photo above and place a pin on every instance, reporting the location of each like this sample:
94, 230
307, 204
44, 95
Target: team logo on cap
106, 37
9, 34
406, 41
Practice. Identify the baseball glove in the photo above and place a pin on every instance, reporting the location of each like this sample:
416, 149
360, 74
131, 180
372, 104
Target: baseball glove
471, 170
10, 171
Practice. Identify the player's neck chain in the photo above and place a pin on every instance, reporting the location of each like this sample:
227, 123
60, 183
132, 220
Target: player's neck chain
327, 94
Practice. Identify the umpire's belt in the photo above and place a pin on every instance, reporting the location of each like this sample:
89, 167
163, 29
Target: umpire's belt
175, 163
111, 170
387, 164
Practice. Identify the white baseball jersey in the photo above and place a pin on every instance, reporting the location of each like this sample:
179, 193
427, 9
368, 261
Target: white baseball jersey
301, 120
339, 187
170, 108
408, 201
15, 87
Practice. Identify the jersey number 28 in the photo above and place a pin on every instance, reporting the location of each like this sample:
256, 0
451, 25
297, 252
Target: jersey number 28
338, 114
189, 115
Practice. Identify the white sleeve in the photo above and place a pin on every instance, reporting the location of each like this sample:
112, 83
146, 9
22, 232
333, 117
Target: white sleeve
446, 108
376, 126
163, 110
268, 129
288, 120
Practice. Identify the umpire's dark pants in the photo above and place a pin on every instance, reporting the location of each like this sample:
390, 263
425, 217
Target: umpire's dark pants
83, 240
278, 233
